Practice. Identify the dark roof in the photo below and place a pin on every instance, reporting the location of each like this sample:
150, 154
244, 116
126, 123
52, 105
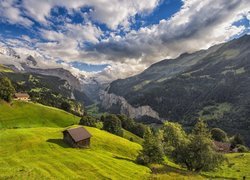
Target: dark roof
22, 95
221, 146
78, 134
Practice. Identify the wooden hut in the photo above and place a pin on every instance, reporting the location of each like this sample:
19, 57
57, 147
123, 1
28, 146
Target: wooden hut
22, 96
222, 147
77, 137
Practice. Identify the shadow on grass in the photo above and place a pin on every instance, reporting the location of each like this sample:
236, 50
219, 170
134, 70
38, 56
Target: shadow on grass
123, 158
163, 169
59, 142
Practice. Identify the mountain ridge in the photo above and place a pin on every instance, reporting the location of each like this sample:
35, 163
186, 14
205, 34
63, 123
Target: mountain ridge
211, 84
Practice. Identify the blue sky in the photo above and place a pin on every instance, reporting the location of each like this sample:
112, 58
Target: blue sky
94, 35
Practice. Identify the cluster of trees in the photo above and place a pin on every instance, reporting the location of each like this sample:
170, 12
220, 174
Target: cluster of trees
6, 89
129, 124
114, 124
194, 151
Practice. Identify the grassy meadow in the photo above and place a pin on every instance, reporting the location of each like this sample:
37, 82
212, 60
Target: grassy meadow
32, 148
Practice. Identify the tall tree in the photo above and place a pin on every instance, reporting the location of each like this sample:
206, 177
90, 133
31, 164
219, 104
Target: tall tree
152, 151
6, 89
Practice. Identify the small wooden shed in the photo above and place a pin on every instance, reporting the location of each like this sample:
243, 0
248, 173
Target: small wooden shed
77, 137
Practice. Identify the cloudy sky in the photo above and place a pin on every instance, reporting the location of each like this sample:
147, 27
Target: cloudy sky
119, 37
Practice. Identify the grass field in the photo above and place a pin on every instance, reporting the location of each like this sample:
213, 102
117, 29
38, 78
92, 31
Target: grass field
20, 114
32, 148
40, 153
33, 135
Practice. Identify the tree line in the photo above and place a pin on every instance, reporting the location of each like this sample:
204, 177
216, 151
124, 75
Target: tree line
194, 151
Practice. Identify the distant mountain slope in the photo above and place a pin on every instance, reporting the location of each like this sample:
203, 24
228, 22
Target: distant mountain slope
213, 84
48, 90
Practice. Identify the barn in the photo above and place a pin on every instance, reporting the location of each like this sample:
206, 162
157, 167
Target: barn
77, 137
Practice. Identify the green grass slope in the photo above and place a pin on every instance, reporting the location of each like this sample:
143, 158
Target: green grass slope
32, 148
20, 114
40, 153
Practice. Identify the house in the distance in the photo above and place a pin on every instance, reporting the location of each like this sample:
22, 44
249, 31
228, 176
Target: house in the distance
77, 137
222, 147
22, 96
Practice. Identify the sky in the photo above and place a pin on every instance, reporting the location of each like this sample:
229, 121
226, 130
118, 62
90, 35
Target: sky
118, 38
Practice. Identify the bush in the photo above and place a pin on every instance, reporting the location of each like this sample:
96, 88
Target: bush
66, 106
88, 121
219, 135
142, 159
236, 140
242, 148
132, 126
112, 124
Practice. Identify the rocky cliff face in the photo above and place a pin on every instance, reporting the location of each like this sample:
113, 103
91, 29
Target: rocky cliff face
109, 100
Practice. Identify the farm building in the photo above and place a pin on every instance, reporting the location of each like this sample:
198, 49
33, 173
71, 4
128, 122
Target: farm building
22, 96
77, 137
222, 147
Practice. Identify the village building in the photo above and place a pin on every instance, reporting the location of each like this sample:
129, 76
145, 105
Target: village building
222, 147
22, 96
77, 137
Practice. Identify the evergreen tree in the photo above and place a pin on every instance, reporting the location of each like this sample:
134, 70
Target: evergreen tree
152, 151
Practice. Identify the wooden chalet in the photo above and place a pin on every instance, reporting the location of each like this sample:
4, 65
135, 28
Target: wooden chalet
22, 96
77, 137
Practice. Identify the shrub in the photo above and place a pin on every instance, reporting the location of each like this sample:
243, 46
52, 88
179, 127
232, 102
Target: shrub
236, 140
88, 121
112, 124
242, 148
219, 135
66, 106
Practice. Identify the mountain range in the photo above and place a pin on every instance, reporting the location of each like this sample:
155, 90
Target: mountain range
211, 84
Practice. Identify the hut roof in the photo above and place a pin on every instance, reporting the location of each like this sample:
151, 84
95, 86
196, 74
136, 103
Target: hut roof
21, 95
221, 146
78, 134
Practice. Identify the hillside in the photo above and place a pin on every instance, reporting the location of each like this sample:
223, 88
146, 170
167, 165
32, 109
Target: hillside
39, 152
213, 84
33, 134
20, 114
47, 90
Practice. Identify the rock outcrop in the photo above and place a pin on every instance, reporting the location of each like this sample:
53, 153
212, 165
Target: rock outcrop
109, 100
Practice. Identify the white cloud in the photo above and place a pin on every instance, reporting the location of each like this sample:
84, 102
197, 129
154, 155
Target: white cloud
198, 25
12, 14
112, 12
